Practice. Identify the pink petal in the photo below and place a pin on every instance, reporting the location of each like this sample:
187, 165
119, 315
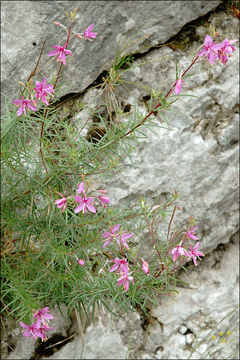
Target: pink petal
68, 52
62, 58
78, 208
18, 102
90, 27
202, 52
212, 57
20, 111
216, 47
80, 188
81, 262
53, 53
106, 243
126, 286
208, 41
32, 107
114, 267
178, 86
115, 228
23, 325
91, 208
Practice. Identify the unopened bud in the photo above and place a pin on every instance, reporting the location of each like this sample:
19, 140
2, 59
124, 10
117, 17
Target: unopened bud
103, 191
57, 23
79, 36
22, 84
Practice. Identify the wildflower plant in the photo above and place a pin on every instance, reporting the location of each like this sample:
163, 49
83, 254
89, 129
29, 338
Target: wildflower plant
63, 242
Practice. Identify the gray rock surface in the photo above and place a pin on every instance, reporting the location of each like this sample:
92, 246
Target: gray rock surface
25, 25
199, 155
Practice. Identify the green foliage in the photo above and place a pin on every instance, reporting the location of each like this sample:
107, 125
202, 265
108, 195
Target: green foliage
44, 154
39, 240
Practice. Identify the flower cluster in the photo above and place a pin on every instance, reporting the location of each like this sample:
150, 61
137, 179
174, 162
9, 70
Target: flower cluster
61, 53
121, 265
212, 51
193, 253
40, 91
88, 34
43, 89
84, 203
119, 238
122, 268
39, 328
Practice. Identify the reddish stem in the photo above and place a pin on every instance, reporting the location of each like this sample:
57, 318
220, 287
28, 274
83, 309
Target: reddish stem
159, 104
154, 242
46, 110
170, 222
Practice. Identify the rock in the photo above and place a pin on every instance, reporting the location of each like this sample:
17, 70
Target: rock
189, 338
182, 329
61, 323
198, 156
25, 26
99, 343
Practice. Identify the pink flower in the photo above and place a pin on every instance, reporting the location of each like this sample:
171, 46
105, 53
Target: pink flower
194, 253
80, 188
81, 262
210, 49
32, 330
43, 315
178, 251
109, 235
226, 50
61, 202
121, 265
145, 267
124, 280
25, 104
124, 238
44, 329
104, 200
85, 203
60, 52
178, 86
42, 90
190, 233
88, 34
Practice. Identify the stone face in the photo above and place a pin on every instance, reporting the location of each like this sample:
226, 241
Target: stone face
198, 156
100, 342
210, 298
25, 25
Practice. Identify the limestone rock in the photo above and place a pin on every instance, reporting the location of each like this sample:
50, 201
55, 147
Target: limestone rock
25, 26
198, 156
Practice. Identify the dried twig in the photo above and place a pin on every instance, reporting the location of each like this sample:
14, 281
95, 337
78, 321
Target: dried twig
35, 69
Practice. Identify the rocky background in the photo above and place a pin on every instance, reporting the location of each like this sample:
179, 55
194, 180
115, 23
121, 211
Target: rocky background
197, 156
